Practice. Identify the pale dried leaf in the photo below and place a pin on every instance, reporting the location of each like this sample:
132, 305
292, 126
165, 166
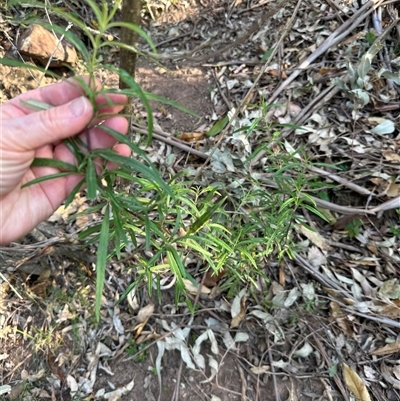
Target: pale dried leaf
391, 156
63, 212
65, 314
386, 127
120, 392
259, 370
280, 364
228, 341
308, 291
241, 337
393, 190
316, 257
237, 302
145, 313
355, 384
5, 389
315, 237
132, 300
119, 328
194, 289
390, 289
241, 315
294, 293
213, 340
396, 371
304, 351
370, 373
387, 373
214, 369
72, 384
32, 377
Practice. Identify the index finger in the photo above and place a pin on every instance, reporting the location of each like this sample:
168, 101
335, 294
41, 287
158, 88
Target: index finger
55, 95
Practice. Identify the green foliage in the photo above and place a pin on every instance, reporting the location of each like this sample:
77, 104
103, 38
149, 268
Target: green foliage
353, 228
133, 348
172, 225
370, 37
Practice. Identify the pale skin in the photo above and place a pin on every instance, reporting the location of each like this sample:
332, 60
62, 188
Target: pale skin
26, 134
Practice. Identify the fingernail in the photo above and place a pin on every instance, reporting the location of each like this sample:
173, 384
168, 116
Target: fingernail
79, 106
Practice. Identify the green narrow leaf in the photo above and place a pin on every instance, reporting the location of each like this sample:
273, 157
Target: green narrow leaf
76, 189
137, 91
176, 265
152, 96
119, 230
102, 260
44, 162
93, 230
217, 127
150, 173
70, 143
36, 105
91, 179
135, 28
267, 55
203, 219
147, 229
123, 139
20, 64
99, 15
46, 178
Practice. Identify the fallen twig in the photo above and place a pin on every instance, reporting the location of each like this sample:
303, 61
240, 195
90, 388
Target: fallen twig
336, 37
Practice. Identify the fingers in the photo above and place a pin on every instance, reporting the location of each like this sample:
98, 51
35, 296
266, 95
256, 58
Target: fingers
61, 93
37, 129
98, 138
55, 94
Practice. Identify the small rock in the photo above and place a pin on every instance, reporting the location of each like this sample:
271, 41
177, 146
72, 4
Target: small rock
38, 43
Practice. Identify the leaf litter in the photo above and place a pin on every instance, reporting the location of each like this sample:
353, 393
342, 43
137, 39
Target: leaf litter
339, 299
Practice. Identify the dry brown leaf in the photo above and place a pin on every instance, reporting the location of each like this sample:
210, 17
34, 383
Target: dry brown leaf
191, 136
55, 369
145, 313
277, 74
142, 318
393, 190
391, 309
391, 156
282, 273
344, 221
241, 315
341, 318
387, 349
211, 279
355, 384
42, 283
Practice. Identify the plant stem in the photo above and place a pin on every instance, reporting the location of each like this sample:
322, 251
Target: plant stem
131, 10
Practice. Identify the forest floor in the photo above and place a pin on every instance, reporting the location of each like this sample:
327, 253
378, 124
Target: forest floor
325, 325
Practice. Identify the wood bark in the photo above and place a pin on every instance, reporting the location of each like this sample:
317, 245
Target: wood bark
131, 12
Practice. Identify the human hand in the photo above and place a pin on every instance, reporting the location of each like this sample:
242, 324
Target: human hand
26, 134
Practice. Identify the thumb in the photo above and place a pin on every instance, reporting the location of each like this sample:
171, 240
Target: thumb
49, 126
